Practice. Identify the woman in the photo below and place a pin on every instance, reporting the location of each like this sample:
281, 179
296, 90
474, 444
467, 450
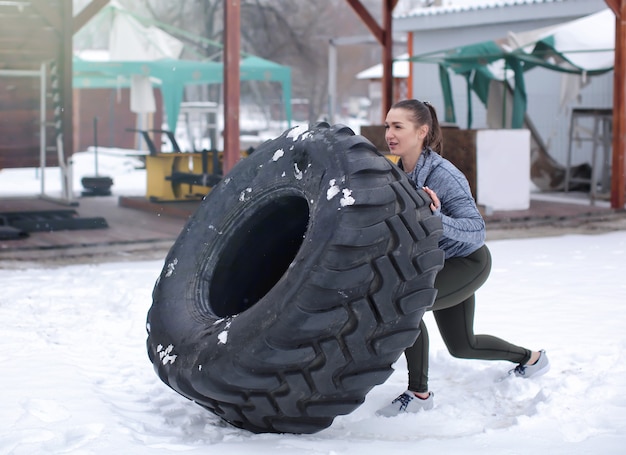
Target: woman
414, 135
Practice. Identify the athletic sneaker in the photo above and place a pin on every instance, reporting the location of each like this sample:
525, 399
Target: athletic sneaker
541, 366
407, 402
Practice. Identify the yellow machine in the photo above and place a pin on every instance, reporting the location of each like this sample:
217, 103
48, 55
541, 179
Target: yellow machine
181, 176
185, 176
189, 175
178, 176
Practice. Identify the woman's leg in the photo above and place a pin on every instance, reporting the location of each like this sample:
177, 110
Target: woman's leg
461, 277
453, 309
417, 362
456, 325
456, 281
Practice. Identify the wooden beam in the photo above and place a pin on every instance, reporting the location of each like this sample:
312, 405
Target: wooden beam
618, 173
369, 21
232, 28
87, 13
387, 82
65, 65
614, 5
384, 35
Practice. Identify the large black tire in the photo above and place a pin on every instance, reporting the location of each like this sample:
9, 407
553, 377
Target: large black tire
299, 281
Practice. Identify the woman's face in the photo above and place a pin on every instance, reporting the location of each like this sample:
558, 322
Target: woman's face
401, 135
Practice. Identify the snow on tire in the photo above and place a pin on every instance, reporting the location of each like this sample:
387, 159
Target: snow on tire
295, 286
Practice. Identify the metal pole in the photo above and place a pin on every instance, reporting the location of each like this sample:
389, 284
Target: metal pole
42, 125
332, 80
95, 143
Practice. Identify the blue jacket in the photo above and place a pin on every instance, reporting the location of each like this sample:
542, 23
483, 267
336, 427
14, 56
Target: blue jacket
463, 225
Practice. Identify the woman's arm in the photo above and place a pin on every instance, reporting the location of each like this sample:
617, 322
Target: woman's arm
459, 214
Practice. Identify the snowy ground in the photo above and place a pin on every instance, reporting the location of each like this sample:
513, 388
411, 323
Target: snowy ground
76, 377
122, 165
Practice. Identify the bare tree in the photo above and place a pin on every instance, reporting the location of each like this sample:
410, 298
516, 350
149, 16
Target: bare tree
295, 33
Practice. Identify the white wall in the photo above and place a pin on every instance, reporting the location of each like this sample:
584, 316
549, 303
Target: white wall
503, 169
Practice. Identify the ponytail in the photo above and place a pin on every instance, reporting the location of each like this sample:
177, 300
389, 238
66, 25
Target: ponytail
434, 140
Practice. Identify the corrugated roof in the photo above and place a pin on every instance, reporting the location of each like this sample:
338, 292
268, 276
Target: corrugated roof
469, 5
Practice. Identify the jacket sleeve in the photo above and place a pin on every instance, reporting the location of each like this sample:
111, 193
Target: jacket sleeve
460, 217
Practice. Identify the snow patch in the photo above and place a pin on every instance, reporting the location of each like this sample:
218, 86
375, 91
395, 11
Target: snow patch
334, 189
299, 132
222, 337
347, 198
170, 268
213, 228
297, 172
48, 411
165, 354
244, 195
278, 154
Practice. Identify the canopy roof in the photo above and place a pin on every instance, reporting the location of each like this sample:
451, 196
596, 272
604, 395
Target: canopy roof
172, 75
584, 46
139, 48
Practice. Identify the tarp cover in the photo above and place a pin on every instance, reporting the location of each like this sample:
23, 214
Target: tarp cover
583, 47
137, 50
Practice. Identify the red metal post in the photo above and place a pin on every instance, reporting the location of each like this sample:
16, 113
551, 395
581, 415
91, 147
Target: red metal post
387, 82
65, 67
232, 27
618, 179
384, 35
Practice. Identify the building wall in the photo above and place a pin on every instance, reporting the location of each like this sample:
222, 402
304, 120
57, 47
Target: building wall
111, 108
435, 32
20, 123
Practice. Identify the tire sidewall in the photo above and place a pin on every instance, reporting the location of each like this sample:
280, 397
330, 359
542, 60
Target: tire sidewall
300, 163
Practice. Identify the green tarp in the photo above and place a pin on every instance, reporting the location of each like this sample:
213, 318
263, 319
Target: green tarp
140, 46
584, 46
171, 76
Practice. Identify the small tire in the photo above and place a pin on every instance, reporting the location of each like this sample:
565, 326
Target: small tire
97, 186
298, 282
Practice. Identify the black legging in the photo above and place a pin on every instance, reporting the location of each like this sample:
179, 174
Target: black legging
453, 309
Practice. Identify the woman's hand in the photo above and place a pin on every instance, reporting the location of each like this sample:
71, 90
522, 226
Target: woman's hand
436, 204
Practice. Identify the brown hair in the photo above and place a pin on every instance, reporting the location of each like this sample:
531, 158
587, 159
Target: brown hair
423, 113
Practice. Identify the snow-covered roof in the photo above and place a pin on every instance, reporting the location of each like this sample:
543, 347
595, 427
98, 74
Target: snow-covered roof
466, 14
458, 6
400, 69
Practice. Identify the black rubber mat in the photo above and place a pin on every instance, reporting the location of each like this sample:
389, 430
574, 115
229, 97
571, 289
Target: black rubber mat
49, 220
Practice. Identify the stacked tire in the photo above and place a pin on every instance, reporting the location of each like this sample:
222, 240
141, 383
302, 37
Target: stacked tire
298, 282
